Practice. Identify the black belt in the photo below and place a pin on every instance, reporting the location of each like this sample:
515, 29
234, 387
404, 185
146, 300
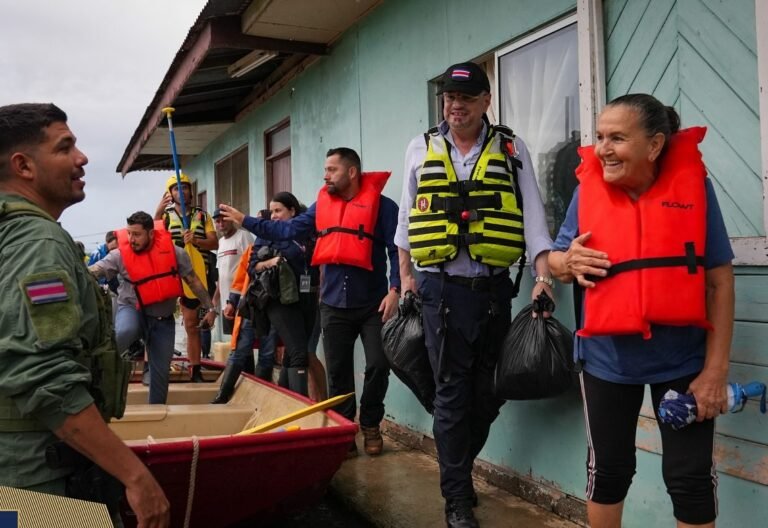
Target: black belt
473, 283
160, 318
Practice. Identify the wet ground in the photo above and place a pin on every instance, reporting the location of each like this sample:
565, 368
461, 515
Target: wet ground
330, 513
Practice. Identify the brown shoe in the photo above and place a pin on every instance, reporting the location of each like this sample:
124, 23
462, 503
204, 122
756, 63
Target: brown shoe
372, 441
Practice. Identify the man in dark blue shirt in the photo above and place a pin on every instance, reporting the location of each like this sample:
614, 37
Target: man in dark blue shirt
356, 226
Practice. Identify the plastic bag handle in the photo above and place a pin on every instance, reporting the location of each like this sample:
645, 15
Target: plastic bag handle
543, 303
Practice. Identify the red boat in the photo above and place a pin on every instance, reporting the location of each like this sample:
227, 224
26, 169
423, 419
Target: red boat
214, 478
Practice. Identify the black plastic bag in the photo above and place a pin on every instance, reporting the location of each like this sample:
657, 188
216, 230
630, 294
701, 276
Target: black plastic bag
404, 346
536, 358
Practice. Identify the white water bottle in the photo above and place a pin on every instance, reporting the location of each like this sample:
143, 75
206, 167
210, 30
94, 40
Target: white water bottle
732, 389
738, 395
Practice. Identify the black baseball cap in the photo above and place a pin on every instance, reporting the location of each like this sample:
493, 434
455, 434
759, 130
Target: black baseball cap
465, 77
216, 213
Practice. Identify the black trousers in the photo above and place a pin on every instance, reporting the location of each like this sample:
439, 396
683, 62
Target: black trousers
687, 465
288, 320
463, 360
341, 328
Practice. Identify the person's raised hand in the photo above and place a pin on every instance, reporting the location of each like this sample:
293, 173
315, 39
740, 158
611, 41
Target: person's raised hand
583, 261
229, 213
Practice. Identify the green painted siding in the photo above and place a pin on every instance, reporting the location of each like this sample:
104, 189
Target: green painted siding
699, 56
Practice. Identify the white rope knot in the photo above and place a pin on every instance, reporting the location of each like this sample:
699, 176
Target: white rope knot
192, 477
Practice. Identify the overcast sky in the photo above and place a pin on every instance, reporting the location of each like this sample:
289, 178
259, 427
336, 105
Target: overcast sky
100, 61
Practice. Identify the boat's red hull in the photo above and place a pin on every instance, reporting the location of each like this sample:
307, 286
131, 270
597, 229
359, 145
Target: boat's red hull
256, 477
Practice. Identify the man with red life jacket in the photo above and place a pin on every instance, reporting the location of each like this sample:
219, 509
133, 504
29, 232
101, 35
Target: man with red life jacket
355, 225
151, 267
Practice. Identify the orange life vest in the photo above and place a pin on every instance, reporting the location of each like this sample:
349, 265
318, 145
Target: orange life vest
345, 228
655, 244
154, 273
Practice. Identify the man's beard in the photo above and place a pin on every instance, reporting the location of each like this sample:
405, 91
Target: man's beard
332, 189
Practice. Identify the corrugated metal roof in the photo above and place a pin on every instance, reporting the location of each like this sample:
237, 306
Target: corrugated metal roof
200, 84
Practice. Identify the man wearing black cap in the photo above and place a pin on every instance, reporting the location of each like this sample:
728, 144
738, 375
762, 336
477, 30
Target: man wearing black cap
463, 224
233, 242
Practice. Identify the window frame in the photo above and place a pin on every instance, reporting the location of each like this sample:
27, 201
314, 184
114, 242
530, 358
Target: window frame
228, 158
748, 251
270, 157
550, 28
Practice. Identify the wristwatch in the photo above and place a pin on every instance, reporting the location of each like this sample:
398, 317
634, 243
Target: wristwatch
546, 280
213, 309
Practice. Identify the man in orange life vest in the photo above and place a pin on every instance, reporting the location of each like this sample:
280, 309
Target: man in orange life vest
356, 226
151, 267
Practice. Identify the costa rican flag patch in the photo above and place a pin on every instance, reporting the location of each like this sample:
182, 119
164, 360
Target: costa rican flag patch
460, 73
46, 291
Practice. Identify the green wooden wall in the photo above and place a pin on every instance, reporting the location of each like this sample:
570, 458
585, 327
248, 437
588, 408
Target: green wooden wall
700, 56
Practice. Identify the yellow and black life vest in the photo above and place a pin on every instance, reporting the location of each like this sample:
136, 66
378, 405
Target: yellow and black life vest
483, 214
174, 225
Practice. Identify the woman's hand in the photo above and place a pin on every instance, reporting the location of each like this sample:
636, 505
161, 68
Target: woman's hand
582, 261
269, 263
230, 213
709, 390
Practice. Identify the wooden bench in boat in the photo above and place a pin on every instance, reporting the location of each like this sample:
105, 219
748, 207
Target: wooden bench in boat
180, 421
188, 412
178, 393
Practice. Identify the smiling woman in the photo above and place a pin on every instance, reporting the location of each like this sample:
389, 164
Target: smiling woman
627, 152
645, 222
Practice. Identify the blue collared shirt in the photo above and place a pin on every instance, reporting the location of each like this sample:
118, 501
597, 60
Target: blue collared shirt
344, 286
537, 237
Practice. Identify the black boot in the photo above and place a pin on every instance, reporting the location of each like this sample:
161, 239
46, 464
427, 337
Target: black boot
458, 514
282, 378
197, 376
228, 381
298, 381
264, 373
145, 374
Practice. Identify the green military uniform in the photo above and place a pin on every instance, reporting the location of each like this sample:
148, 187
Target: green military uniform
57, 353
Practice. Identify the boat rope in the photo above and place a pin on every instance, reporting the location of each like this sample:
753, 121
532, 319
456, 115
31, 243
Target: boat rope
192, 476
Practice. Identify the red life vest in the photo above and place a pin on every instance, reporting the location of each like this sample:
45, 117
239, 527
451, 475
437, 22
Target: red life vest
345, 228
154, 273
655, 244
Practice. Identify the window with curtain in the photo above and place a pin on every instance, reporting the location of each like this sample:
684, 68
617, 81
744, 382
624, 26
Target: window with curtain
538, 86
232, 180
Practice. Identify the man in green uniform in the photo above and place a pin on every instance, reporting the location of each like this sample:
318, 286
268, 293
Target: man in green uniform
60, 375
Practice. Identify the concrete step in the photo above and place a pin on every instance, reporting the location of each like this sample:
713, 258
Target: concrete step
401, 489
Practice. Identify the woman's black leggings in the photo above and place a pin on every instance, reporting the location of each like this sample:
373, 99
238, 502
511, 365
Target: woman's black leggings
611, 411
